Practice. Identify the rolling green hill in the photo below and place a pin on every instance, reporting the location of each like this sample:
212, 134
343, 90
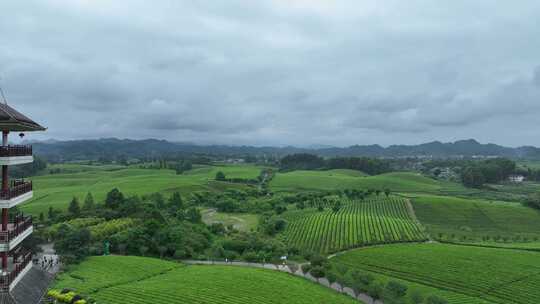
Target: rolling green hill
463, 274
126, 280
357, 223
58, 189
338, 179
476, 219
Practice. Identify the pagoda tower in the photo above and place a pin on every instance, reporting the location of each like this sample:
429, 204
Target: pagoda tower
15, 227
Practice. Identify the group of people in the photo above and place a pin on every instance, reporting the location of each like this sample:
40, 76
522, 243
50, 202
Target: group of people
47, 263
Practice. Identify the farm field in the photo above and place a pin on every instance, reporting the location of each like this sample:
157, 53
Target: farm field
57, 190
338, 179
476, 219
240, 221
125, 280
478, 274
357, 223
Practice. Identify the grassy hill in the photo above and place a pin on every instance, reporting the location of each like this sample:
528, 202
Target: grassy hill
58, 189
476, 219
126, 280
339, 179
357, 223
463, 274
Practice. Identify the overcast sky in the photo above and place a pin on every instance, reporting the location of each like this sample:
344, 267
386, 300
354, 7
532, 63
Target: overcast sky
276, 72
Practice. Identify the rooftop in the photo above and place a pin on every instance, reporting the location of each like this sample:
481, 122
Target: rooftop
13, 120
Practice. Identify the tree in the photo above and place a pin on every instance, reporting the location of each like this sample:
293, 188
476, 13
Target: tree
74, 207
41, 217
143, 250
220, 176
114, 199
50, 213
378, 192
318, 272
396, 290
162, 250
331, 277
193, 215
433, 299
88, 202
375, 290
175, 202
387, 192
417, 297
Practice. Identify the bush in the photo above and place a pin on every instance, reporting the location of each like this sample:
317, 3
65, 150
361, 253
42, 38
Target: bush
433, 299
318, 271
375, 290
396, 289
306, 268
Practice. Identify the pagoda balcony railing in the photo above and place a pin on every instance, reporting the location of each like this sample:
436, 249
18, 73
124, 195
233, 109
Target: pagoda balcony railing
7, 278
17, 188
15, 150
15, 228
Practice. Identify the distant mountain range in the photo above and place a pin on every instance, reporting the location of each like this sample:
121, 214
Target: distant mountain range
111, 147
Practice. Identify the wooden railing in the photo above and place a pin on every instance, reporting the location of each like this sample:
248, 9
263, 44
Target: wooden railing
8, 278
17, 188
18, 150
19, 225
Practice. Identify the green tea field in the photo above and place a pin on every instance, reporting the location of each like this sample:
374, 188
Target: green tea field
357, 223
464, 219
471, 274
126, 280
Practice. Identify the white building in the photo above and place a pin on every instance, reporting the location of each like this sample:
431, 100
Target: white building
516, 178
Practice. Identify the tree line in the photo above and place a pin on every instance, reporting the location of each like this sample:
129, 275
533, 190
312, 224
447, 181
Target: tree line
305, 161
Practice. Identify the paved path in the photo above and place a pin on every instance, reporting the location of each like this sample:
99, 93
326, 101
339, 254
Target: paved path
48, 260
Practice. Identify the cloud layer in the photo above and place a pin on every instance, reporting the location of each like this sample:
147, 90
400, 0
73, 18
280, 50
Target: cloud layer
275, 72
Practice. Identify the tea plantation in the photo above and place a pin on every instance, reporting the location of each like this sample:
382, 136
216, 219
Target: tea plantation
490, 274
126, 280
358, 223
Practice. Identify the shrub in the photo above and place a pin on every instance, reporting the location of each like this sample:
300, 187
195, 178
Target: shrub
318, 271
306, 268
433, 299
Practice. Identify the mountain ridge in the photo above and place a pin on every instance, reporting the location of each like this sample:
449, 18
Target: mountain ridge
95, 148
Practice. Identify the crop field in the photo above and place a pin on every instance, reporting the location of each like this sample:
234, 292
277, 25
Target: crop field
477, 219
57, 190
357, 223
339, 179
127, 280
478, 274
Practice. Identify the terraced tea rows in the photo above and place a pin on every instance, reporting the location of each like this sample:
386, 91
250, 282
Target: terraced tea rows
173, 283
493, 275
357, 223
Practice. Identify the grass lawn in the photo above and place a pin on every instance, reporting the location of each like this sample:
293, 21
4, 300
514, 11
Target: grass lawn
58, 189
240, 221
494, 275
339, 179
126, 280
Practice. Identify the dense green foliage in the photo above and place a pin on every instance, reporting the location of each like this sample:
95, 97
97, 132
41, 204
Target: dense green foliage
313, 162
494, 275
358, 223
488, 171
128, 280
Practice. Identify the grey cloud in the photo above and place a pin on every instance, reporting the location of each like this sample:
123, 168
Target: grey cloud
274, 71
